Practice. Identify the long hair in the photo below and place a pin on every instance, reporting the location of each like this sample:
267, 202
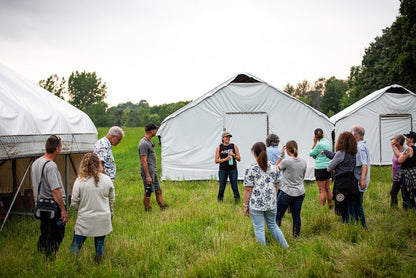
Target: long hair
259, 149
292, 147
346, 143
90, 167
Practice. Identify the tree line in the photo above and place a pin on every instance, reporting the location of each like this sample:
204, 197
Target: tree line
390, 59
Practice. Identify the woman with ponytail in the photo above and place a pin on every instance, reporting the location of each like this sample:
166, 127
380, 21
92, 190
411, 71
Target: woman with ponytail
322, 176
261, 183
93, 198
292, 190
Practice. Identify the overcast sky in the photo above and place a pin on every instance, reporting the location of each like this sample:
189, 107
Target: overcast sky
166, 51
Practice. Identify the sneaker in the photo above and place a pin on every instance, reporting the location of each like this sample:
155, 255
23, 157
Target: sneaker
165, 206
237, 200
149, 209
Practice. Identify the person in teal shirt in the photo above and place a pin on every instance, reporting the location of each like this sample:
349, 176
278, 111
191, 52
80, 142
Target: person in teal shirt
322, 176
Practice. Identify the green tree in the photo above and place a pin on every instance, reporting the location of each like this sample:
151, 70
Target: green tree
55, 85
335, 89
390, 59
97, 113
302, 91
289, 89
85, 88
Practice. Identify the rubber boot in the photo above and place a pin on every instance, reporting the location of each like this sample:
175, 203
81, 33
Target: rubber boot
296, 230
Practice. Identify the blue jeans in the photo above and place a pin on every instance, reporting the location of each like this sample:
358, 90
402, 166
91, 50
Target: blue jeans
283, 202
354, 209
258, 217
223, 175
361, 214
78, 241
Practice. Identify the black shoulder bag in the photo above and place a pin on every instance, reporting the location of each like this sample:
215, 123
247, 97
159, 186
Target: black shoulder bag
45, 208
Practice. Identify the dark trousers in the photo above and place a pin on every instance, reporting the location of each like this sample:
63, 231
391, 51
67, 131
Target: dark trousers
395, 188
51, 236
223, 176
285, 201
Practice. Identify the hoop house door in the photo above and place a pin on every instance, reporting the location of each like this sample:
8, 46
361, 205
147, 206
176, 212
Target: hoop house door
246, 129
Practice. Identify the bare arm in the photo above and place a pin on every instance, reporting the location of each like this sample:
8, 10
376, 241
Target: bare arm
217, 156
395, 150
145, 166
247, 194
364, 169
237, 153
404, 155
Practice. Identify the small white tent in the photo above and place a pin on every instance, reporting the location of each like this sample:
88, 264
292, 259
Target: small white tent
383, 114
29, 115
249, 109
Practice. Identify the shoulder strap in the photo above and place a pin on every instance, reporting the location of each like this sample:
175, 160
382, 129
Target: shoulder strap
41, 176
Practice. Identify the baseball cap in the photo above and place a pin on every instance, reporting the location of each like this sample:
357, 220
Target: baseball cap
411, 134
150, 126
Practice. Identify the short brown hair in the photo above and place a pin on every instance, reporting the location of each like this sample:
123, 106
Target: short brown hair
346, 143
52, 143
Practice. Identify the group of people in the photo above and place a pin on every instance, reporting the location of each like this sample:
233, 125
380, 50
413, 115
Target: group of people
275, 182
267, 196
93, 192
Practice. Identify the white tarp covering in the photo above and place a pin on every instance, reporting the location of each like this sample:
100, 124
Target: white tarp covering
383, 114
249, 111
30, 114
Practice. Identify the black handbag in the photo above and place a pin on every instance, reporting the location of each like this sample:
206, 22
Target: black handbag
45, 208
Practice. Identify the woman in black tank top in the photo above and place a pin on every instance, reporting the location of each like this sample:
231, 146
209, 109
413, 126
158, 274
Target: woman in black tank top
227, 155
407, 173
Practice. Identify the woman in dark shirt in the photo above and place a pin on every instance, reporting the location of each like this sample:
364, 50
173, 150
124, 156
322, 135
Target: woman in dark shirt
227, 155
407, 173
345, 195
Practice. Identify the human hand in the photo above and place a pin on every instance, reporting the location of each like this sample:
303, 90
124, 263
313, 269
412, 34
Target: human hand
363, 184
149, 180
64, 217
246, 212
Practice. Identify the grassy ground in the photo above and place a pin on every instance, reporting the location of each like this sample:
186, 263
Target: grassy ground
197, 237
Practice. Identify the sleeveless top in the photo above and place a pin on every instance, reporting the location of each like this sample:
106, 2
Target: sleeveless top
410, 162
224, 150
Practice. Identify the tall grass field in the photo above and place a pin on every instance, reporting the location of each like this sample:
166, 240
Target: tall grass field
198, 237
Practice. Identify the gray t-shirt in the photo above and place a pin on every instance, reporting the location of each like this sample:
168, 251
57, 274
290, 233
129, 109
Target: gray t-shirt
51, 178
146, 147
292, 179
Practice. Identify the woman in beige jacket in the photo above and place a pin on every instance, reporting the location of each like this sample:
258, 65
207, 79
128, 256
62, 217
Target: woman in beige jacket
93, 198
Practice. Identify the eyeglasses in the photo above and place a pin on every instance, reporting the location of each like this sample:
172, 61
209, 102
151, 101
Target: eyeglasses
58, 140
